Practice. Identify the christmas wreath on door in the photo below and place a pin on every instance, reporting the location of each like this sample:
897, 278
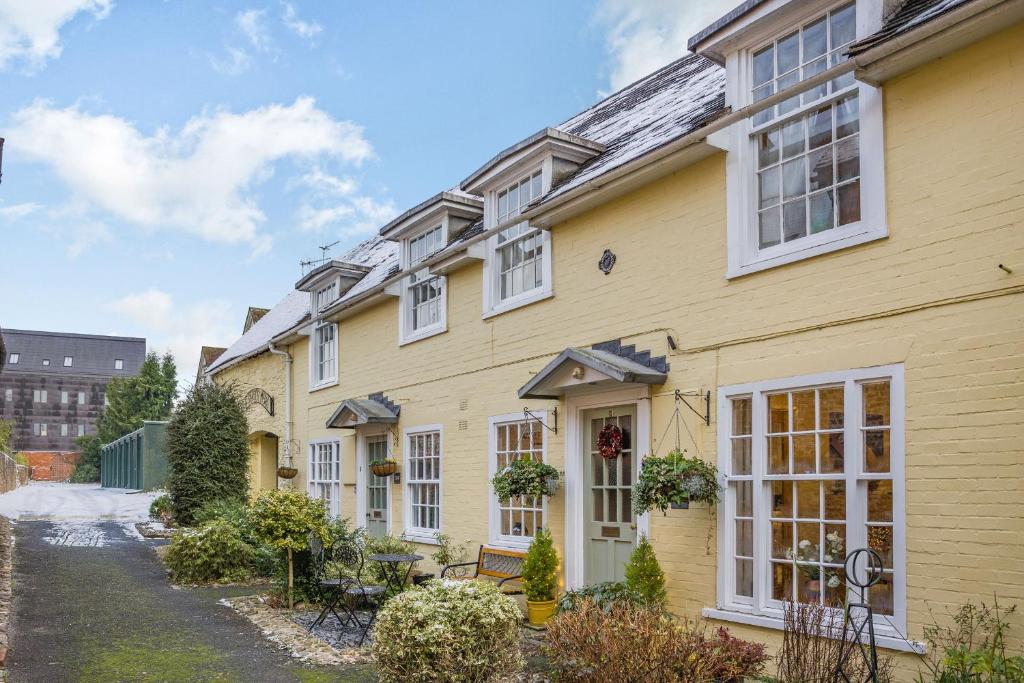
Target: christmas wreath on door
609, 441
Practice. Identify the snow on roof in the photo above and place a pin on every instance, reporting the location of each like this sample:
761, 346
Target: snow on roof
380, 255
666, 105
286, 314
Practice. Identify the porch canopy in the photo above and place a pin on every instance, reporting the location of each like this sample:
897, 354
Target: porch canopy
354, 412
606, 363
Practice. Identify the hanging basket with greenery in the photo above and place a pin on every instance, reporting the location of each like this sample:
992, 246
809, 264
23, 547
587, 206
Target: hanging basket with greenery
674, 480
524, 477
384, 468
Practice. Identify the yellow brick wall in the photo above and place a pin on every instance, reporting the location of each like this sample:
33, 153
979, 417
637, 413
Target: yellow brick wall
929, 296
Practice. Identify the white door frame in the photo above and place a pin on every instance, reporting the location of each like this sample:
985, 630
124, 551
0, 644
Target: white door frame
362, 467
575, 488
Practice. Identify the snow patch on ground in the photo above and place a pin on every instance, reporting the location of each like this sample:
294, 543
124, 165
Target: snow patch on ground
77, 535
58, 501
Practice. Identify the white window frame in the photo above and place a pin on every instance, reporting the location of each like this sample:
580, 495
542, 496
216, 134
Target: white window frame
39, 395
119, 364
46, 362
313, 480
315, 381
420, 534
69, 361
406, 333
744, 256
81, 430
492, 304
325, 296
14, 358
64, 429
42, 429
758, 610
64, 397
9, 394
496, 538
81, 398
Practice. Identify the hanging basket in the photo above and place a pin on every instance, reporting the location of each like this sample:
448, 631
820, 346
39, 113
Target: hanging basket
287, 472
609, 441
384, 468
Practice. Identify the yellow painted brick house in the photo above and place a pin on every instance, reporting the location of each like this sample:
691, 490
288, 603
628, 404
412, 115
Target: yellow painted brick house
797, 253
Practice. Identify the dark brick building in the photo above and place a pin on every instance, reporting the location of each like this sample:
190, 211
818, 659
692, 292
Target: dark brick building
53, 384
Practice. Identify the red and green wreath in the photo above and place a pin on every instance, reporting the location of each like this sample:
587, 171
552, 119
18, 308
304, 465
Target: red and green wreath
609, 441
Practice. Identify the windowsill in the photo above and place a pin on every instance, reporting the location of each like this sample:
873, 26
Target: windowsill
423, 537
510, 545
518, 302
425, 333
325, 385
889, 642
850, 240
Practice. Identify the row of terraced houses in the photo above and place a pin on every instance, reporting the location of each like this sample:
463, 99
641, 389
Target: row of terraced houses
797, 253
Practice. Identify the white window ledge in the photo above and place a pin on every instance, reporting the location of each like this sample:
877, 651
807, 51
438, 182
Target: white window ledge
888, 642
425, 333
518, 302
421, 537
325, 385
799, 254
510, 545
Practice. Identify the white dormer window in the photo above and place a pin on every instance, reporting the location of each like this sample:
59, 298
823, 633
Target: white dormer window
423, 296
805, 176
518, 264
14, 358
323, 361
326, 295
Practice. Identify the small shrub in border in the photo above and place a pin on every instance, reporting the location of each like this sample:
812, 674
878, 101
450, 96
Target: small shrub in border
161, 507
214, 552
283, 519
458, 631
604, 595
644, 574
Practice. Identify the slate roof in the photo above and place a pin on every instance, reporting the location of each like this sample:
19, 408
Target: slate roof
209, 354
379, 255
375, 409
908, 16
620, 363
91, 354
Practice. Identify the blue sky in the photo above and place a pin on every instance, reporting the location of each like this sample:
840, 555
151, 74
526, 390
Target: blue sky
168, 164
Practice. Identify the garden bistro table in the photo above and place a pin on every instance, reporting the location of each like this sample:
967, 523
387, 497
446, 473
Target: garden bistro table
389, 563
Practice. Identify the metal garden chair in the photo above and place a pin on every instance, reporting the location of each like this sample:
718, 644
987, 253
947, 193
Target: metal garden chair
333, 587
349, 554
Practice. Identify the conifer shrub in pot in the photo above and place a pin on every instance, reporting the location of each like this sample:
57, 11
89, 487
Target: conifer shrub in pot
459, 631
540, 578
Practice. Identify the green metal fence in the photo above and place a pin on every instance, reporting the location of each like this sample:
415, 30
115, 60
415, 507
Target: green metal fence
137, 460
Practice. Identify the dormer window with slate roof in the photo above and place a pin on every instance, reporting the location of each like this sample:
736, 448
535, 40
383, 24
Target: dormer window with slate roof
517, 259
804, 175
423, 231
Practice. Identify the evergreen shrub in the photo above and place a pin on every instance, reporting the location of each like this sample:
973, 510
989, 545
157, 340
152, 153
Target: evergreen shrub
644, 574
214, 552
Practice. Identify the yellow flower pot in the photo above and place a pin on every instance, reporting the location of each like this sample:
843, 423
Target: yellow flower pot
539, 612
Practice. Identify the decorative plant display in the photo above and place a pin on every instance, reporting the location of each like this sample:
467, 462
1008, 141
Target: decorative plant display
283, 519
674, 479
385, 467
609, 441
645, 576
540, 577
806, 557
458, 631
287, 472
524, 477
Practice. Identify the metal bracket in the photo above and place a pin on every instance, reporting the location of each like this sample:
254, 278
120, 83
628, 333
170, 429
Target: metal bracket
554, 413
706, 415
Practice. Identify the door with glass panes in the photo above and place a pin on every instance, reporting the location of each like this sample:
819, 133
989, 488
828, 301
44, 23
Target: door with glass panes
376, 488
610, 532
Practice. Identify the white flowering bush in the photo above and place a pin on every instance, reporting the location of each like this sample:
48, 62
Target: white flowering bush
460, 631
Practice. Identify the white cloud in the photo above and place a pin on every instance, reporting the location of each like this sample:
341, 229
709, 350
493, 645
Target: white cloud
182, 330
84, 236
198, 180
325, 183
303, 29
16, 211
334, 203
644, 35
235, 61
252, 23
30, 29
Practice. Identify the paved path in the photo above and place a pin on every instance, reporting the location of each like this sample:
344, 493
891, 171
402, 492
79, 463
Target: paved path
92, 603
51, 500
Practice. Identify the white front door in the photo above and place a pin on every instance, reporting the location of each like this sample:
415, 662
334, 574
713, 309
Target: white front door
609, 524
376, 487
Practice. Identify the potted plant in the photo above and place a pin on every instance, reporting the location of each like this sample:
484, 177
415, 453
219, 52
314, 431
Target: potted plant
525, 477
385, 467
540, 578
287, 472
674, 479
806, 556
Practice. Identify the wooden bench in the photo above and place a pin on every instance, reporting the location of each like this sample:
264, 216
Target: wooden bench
504, 565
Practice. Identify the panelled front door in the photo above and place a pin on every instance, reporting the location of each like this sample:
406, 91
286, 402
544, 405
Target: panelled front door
610, 531
376, 488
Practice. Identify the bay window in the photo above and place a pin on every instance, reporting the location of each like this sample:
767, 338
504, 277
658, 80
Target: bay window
519, 259
814, 470
805, 175
324, 358
325, 474
423, 304
423, 483
514, 522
